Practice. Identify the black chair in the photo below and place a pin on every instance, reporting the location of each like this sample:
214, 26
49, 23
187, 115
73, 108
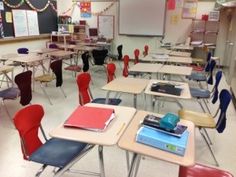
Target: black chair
56, 67
85, 58
99, 56
23, 90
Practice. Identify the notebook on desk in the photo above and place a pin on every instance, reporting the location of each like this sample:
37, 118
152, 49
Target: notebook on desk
166, 88
90, 118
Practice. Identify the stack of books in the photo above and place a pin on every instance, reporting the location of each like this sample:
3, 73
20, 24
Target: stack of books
152, 134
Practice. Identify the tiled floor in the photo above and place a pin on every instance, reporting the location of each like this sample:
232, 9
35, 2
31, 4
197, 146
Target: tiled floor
13, 165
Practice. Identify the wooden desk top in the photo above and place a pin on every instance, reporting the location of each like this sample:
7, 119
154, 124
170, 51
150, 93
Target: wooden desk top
185, 93
126, 85
28, 58
182, 47
146, 67
127, 142
179, 59
11, 55
6, 68
108, 137
61, 53
176, 70
179, 54
44, 50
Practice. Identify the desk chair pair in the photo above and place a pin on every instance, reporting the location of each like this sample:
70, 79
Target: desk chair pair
56, 67
204, 94
126, 71
206, 120
85, 95
136, 56
23, 90
58, 153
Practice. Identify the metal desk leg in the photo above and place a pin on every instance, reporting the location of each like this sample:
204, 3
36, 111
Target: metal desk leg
132, 167
101, 162
135, 100
107, 97
127, 159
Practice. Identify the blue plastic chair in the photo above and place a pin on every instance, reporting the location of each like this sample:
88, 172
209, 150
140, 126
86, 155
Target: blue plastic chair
205, 120
204, 94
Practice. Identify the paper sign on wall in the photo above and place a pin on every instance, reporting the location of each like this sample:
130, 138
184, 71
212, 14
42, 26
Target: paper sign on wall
8, 17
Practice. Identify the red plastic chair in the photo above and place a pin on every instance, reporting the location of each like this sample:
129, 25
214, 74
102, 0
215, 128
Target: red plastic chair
146, 49
85, 95
200, 170
111, 68
126, 66
136, 56
83, 81
55, 152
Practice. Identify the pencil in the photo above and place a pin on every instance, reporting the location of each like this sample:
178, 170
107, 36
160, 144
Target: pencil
121, 128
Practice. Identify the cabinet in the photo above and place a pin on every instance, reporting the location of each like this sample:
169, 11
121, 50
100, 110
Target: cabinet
204, 32
79, 32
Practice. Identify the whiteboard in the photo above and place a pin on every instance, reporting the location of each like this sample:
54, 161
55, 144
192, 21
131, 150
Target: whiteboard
142, 17
20, 23
32, 21
106, 26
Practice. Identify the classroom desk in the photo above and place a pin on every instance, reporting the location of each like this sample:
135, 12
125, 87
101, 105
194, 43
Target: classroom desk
164, 58
179, 54
109, 137
145, 67
127, 142
185, 93
126, 85
182, 47
44, 51
30, 60
4, 70
5, 57
176, 70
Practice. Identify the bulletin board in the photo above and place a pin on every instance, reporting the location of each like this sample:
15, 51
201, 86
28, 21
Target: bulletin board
106, 26
189, 9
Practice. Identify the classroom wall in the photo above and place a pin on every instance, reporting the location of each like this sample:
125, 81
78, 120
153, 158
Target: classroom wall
177, 30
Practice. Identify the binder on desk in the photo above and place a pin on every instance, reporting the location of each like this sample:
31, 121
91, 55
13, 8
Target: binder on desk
163, 141
90, 118
166, 88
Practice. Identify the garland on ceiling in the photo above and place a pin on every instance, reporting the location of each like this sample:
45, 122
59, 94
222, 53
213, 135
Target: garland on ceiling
30, 5
93, 13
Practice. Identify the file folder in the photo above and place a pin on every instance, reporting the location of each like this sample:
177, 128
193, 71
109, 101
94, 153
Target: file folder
90, 118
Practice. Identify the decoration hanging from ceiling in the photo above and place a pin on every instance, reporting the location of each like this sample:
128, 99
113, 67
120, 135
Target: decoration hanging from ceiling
85, 9
31, 5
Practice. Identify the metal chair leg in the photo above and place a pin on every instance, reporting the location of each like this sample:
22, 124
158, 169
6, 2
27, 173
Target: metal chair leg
127, 159
40, 171
45, 93
204, 101
8, 113
63, 92
208, 137
137, 165
209, 147
199, 102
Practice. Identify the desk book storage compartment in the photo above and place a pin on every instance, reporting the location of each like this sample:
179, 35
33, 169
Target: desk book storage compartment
90, 118
162, 140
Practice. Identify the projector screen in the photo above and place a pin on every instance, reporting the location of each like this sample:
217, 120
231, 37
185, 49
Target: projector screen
142, 17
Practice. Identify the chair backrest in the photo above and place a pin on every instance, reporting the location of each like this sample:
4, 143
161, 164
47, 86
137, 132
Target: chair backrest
146, 49
53, 46
208, 62
111, 68
215, 88
83, 80
126, 66
85, 59
225, 98
27, 122
23, 50
136, 56
56, 67
23, 81
119, 50
99, 56
211, 68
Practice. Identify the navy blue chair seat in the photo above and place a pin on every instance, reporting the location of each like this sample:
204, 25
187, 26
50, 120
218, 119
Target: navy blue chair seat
200, 93
10, 93
197, 77
53, 152
111, 101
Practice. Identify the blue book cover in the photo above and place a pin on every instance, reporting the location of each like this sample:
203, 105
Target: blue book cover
163, 141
